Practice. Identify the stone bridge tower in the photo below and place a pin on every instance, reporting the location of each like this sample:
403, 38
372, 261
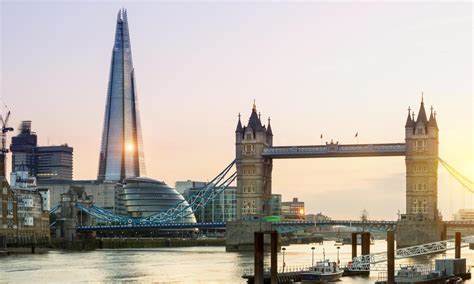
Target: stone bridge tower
254, 183
254, 172
422, 222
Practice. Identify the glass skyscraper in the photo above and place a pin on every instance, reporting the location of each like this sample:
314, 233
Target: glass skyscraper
121, 154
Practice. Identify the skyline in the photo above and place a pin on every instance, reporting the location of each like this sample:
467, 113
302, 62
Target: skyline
292, 115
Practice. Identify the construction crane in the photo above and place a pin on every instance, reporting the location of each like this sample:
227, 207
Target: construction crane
4, 150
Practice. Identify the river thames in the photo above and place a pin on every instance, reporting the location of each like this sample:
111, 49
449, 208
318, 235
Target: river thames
171, 265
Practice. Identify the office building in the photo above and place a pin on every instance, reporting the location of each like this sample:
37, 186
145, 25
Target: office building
22, 148
121, 153
53, 162
43, 162
222, 208
293, 210
141, 197
276, 204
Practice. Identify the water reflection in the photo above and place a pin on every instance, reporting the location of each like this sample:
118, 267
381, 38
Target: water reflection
171, 265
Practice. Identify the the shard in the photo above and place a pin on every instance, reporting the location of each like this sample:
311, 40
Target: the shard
121, 154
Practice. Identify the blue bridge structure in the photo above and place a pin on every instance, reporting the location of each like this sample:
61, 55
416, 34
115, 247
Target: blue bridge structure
281, 227
251, 170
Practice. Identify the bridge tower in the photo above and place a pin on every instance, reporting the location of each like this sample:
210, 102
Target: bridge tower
422, 222
254, 181
254, 172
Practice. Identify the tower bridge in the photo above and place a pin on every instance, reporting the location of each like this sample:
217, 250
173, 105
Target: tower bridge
254, 161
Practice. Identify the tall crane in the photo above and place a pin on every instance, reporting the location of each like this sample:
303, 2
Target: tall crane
4, 149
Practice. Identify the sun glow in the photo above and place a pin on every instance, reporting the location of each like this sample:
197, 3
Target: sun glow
129, 147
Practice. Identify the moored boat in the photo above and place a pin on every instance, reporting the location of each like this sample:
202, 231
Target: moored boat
323, 271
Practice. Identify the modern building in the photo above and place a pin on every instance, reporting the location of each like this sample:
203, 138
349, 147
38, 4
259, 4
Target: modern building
276, 204
22, 148
43, 162
293, 210
141, 197
53, 162
121, 154
222, 208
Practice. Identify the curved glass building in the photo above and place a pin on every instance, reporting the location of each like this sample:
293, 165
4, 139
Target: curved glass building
141, 197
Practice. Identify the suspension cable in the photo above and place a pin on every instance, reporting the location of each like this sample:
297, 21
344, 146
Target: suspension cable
464, 181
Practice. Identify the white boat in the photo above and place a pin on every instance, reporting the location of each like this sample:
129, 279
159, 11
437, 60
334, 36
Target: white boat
323, 271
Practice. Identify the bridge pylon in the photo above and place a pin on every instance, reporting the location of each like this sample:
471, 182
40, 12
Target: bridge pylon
254, 181
422, 222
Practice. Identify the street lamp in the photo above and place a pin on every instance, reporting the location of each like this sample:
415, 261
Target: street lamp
338, 255
312, 257
283, 249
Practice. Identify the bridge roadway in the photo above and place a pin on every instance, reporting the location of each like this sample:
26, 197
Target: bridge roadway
459, 224
332, 150
279, 226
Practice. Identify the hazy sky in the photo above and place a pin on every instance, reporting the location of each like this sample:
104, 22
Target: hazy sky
315, 68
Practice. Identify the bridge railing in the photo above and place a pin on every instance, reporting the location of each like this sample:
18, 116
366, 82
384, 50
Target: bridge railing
364, 262
286, 269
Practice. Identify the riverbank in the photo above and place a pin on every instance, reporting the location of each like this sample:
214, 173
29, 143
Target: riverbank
160, 243
118, 243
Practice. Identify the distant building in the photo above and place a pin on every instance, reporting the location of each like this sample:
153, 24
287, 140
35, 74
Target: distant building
182, 186
53, 162
22, 148
317, 217
293, 210
220, 209
24, 209
103, 193
276, 204
43, 162
464, 215
8, 210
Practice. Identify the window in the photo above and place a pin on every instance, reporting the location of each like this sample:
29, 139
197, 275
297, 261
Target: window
420, 145
249, 149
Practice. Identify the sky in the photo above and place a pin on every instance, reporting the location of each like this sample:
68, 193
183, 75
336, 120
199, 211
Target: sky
314, 68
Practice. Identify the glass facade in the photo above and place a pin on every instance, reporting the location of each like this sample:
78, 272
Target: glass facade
141, 197
22, 148
222, 208
53, 162
121, 154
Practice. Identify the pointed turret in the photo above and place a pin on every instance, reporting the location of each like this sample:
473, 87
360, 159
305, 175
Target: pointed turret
422, 113
239, 126
254, 120
269, 128
432, 122
410, 123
